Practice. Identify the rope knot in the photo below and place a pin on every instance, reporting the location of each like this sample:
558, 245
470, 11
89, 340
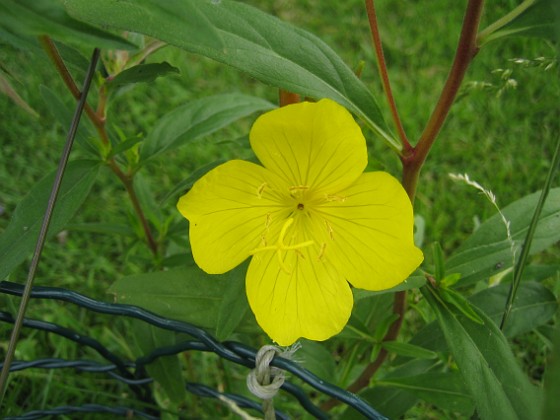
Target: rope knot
264, 381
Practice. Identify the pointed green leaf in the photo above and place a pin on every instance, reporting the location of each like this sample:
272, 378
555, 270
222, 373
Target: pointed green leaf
534, 306
197, 119
268, 49
316, 358
408, 350
495, 381
234, 304
551, 403
64, 114
166, 369
445, 390
19, 239
142, 73
48, 17
540, 18
185, 294
392, 402
487, 252
186, 184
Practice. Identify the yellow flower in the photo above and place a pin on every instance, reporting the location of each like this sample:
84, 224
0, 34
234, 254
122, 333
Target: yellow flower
312, 221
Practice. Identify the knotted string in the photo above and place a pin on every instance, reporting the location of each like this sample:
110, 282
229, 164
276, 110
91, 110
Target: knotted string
264, 381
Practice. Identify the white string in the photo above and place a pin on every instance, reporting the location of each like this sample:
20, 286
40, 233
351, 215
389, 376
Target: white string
265, 381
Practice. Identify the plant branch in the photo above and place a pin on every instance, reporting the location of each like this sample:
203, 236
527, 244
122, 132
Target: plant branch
416, 156
466, 50
128, 182
98, 120
54, 55
383, 73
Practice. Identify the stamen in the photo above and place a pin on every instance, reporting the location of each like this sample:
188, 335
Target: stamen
322, 252
329, 229
280, 246
298, 187
261, 189
340, 198
297, 190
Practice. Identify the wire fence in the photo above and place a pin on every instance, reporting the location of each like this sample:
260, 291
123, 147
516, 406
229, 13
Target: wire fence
133, 372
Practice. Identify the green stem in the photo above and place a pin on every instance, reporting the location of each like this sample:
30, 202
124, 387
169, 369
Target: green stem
520, 266
486, 35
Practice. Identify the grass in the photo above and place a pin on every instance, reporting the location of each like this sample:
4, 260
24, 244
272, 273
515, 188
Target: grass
503, 141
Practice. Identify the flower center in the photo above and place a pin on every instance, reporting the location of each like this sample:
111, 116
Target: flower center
280, 246
300, 206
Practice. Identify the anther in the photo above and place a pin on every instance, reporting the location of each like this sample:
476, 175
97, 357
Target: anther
261, 189
281, 246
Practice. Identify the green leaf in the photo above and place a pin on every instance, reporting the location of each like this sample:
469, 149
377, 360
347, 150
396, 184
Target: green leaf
197, 119
19, 239
413, 282
185, 185
234, 304
104, 228
166, 369
7, 89
392, 402
64, 114
186, 294
152, 210
551, 403
268, 49
457, 300
125, 145
317, 359
142, 73
534, 306
445, 390
487, 252
495, 381
540, 18
408, 350
48, 17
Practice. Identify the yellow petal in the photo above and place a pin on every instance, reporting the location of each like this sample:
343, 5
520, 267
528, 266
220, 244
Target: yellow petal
231, 211
315, 145
368, 232
300, 297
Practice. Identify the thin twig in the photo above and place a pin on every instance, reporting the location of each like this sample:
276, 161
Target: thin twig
54, 55
383, 73
45, 225
98, 120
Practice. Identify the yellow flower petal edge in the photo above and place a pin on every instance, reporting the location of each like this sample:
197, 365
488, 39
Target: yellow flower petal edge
300, 298
309, 218
311, 144
230, 209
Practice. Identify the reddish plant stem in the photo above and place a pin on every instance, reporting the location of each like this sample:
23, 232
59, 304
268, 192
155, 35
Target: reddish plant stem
287, 98
98, 120
54, 55
384, 74
467, 48
416, 156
